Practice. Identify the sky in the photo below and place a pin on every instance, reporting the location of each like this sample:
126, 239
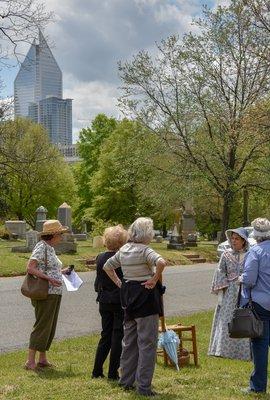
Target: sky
89, 37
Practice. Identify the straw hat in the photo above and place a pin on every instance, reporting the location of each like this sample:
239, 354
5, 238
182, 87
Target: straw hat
52, 227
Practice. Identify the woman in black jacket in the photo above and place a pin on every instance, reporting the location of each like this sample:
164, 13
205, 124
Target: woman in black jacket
109, 307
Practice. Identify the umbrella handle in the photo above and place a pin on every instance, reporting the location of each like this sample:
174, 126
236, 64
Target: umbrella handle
163, 325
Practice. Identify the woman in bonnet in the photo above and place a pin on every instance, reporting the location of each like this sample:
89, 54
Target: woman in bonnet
225, 286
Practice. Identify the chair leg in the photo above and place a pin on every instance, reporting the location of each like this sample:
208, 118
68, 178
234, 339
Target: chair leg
194, 345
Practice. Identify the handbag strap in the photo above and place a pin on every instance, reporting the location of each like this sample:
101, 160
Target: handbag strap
46, 257
239, 296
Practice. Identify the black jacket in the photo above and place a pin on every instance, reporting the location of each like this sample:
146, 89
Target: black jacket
107, 291
137, 301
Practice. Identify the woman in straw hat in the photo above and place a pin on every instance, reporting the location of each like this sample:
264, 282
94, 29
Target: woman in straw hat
44, 264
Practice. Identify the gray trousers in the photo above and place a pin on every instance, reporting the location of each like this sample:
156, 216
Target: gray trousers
139, 348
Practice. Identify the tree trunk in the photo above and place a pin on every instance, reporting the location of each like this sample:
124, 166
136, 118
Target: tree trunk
227, 202
245, 208
20, 215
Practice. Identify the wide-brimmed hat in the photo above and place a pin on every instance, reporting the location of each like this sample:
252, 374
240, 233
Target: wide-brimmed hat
52, 227
242, 232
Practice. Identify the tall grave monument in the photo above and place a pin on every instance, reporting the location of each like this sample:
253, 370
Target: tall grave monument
68, 244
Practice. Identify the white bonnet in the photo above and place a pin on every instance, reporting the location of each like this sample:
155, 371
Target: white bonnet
261, 227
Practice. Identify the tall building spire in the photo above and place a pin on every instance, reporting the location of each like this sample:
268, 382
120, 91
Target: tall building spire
40, 78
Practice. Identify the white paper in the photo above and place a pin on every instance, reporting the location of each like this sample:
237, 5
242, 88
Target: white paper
72, 281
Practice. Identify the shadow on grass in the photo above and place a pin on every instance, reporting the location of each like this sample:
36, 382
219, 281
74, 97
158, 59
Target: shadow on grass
52, 374
132, 394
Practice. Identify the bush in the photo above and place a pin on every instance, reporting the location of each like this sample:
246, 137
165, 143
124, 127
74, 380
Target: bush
98, 227
4, 233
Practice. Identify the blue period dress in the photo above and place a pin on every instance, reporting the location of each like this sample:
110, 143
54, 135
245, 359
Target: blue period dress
225, 285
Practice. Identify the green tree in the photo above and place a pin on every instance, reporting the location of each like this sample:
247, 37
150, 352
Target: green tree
136, 176
89, 145
36, 174
113, 185
197, 94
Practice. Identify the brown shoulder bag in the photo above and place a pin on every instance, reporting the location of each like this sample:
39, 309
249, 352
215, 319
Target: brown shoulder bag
36, 288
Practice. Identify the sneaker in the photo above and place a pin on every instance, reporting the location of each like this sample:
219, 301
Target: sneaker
248, 390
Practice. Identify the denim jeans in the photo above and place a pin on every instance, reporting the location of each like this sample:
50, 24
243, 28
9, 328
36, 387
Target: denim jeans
259, 346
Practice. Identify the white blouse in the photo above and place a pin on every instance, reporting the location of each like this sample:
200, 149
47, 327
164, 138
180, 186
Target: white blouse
54, 265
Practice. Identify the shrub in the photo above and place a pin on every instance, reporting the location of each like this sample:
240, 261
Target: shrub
4, 233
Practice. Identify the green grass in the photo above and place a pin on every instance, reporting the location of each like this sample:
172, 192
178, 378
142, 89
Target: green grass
214, 379
12, 264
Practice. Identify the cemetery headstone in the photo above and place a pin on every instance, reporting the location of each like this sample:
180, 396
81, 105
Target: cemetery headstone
68, 244
64, 215
176, 240
159, 239
31, 239
97, 241
189, 225
17, 228
41, 217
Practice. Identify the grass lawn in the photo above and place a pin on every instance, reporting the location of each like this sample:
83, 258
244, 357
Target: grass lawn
12, 264
215, 378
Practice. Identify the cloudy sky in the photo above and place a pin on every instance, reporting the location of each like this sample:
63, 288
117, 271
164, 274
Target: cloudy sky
90, 36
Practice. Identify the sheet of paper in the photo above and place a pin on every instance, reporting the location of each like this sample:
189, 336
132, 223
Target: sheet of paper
72, 281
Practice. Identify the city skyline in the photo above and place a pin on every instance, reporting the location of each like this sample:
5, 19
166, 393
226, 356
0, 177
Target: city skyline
38, 93
91, 37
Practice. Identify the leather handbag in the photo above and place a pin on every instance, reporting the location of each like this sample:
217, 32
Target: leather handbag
245, 322
34, 287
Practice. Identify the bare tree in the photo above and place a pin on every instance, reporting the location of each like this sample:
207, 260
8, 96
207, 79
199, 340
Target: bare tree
20, 20
199, 95
261, 12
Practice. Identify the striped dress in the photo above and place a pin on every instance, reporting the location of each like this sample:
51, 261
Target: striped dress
137, 261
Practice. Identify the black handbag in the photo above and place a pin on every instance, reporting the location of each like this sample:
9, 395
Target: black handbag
245, 322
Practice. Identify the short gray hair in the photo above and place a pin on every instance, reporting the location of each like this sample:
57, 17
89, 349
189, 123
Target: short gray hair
261, 228
142, 230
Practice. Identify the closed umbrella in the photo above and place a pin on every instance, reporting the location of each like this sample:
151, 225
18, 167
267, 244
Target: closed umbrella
168, 340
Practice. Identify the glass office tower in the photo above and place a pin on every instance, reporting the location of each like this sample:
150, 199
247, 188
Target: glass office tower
56, 116
38, 90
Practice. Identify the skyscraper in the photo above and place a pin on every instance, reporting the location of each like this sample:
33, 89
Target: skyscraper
38, 93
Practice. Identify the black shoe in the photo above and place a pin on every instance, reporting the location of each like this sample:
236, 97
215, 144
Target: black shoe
113, 378
95, 376
126, 387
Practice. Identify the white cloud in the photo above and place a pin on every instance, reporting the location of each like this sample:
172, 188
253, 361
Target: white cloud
91, 36
222, 3
90, 99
